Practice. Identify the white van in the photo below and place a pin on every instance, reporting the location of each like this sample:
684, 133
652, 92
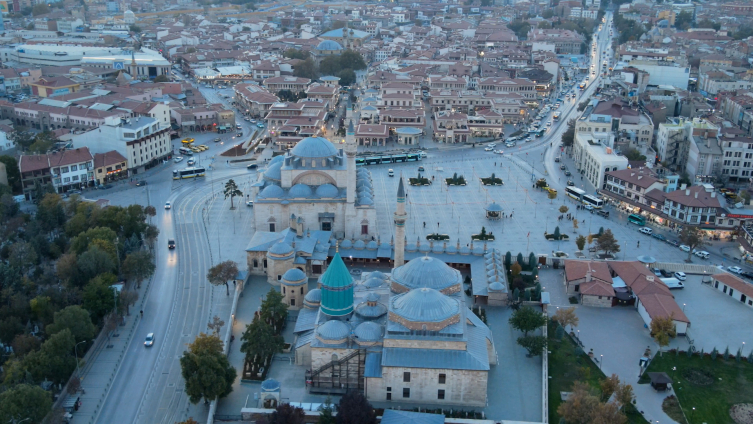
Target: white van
673, 283
391, 173
647, 231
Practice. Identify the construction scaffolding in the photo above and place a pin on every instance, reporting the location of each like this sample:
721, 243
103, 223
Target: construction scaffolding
339, 376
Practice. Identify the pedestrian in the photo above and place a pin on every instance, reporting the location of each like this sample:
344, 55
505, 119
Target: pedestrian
639, 244
424, 224
142, 314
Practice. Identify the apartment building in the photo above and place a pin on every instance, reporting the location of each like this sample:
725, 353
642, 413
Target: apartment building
253, 100
737, 162
564, 41
594, 156
65, 170
710, 83
673, 144
294, 84
524, 87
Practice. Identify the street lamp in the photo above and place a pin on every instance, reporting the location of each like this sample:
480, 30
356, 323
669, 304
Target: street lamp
601, 361
75, 351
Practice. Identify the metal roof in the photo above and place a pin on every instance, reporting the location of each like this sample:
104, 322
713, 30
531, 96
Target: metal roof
392, 416
337, 288
426, 271
424, 305
306, 320
314, 147
373, 365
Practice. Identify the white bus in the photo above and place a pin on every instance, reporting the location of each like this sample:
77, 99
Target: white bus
575, 193
186, 151
593, 201
189, 173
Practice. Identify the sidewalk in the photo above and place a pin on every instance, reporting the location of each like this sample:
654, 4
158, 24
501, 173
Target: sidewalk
102, 361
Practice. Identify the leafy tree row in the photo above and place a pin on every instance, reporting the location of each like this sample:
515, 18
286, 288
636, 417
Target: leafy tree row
342, 66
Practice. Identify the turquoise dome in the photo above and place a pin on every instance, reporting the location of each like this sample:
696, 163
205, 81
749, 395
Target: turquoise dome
337, 288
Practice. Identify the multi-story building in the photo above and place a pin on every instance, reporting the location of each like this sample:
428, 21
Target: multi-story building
141, 140
673, 144
594, 156
696, 205
65, 170
524, 87
253, 100
712, 82
294, 84
109, 166
705, 154
564, 41
737, 164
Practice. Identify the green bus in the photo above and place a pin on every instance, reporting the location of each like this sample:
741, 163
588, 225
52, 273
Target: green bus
637, 219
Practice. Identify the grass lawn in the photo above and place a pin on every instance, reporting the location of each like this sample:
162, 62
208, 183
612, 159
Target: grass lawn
712, 387
566, 367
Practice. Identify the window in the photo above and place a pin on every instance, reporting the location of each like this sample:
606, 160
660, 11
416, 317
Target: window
364, 229
279, 277
406, 392
64, 169
271, 227
442, 378
406, 377
389, 396
74, 168
440, 394
292, 302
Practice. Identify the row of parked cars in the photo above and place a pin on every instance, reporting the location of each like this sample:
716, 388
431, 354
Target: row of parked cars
649, 232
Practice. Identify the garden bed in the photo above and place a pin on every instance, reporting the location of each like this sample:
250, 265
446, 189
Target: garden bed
482, 237
437, 237
552, 237
455, 180
492, 181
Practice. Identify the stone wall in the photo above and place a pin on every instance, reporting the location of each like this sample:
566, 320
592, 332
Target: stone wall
321, 356
426, 344
461, 387
598, 301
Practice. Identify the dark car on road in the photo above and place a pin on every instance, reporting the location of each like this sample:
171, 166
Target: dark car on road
567, 173
171, 244
665, 273
674, 243
140, 183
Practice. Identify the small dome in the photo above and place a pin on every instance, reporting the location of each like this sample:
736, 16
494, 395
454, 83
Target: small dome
294, 275
359, 245
372, 297
368, 331
346, 244
373, 283
276, 159
494, 207
272, 192
424, 305
364, 310
327, 191
365, 200
333, 330
274, 171
281, 249
270, 385
314, 147
372, 245
329, 45
378, 274
299, 191
363, 183
314, 296
496, 286
426, 271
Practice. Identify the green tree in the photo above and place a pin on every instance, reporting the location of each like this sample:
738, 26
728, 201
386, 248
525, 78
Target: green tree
259, 343
95, 261
296, 54
684, 20
161, 78
75, 319
50, 212
354, 408
325, 412
9, 327
43, 309
222, 273
24, 402
135, 29
634, 155
98, 297
287, 414
231, 190
306, 69
330, 65
533, 344
566, 317
13, 173
547, 14
527, 319
80, 242
693, 238
350, 59
607, 243
568, 137
22, 256
138, 266
347, 77
206, 370
580, 241
58, 362
23, 139
520, 28
273, 310
551, 195
43, 143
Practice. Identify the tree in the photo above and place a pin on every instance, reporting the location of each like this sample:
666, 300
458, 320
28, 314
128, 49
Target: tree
98, 297
565, 317
43, 143
11, 168
50, 212
75, 319
25, 343
40, 9
551, 195
273, 310
350, 59
580, 241
138, 266
325, 412
24, 402
231, 190
515, 269
527, 319
608, 386
580, 404
354, 408
519, 27
221, 273
22, 139
306, 69
634, 155
126, 299
693, 238
260, 343
57, 362
563, 209
206, 370
684, 20
161, 78
347, 77
533, 344
135, 29
662, 330
287, 414
215, 325
22, 256
330, 65
607, 243
94, 262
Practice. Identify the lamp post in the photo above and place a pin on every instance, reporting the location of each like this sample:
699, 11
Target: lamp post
75, 351
601, 361
683, 309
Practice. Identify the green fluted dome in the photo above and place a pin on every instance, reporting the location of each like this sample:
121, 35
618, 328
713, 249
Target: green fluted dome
337, 289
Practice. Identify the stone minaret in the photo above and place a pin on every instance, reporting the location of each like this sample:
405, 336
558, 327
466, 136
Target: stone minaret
350, 151
400, 217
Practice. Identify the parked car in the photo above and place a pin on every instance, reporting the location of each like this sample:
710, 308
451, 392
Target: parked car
588, 208
563, 167
603, 213
646, 230
420, 169
492, 145
250, 203
216, 140
571, 183
673, 283
684, 248
702, 254
390, 173
656, 272
557, 159
140, 183
191, 162
260, 125
674, 243
665, 273
568, 173
178, 159
658, 236
488, 149
735, 269
747, 274
680, 275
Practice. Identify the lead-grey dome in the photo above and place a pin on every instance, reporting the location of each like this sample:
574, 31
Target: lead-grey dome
373, 283
426, 271
276, 159
272, 191
281, 248
359, 245
368, 331
270, 385
327, 191
313, 296
294, 276
314, 147
496, 286
346, 244
329, 45
299, 191
274, 171
333, 330
424, 305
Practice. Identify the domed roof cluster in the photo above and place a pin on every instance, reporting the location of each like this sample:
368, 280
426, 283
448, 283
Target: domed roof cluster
424, 306
329, 45
300, 191
274, 171
314, 147
495, 271
281, 250
333, 331
364, 188
426, 271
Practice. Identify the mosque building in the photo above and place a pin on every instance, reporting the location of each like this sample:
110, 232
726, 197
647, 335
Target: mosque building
405, 336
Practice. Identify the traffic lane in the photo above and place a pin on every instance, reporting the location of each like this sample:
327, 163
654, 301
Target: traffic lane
130, 383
